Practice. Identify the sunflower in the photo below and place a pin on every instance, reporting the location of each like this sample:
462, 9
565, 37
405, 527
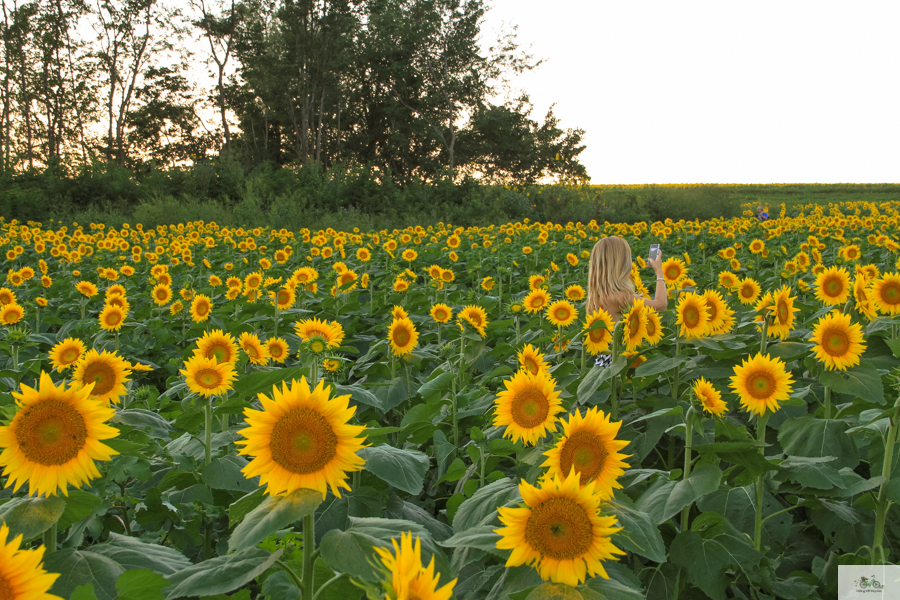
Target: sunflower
285, 298
838, 342
693, 315
402, 336
561, 313
363, 254
728, 280
22, 573
116, 289
721, 317
783, 309
886, 292
589, 447
560, 530
441, 313
54, 438
536, 282
86, 289
302, 439
528, 406
11, 313
332, 332
111, 318
653, 327
598, 328
200, 308
207, 376
107, 371
408, 578
256, 351
761, 382
346, 281
575, 293
219, 345
66, 353
253, 280
331, 364
674, 270
7, 296
447, 275
635, 325
536, 300
748, 290
865, 303
531, 360
401, 285
278, 349
757, 246
120, 301
398, 312
709, 397
474, 316
833, 286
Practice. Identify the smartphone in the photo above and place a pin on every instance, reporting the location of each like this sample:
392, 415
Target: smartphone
654, 251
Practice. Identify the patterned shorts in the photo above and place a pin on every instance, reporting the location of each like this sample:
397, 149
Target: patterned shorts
603, 360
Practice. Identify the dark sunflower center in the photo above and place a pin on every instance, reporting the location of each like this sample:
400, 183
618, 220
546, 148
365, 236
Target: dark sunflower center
113, 318
440, 315
672, 273
102, 375
746, 292
783, 312
691, 316
50, 432
202, 308
833, 287
530, 408
283, 297
713, 310
69, 355
836, 342
251, 351
761, 385
220, 352
276, 351
209, 379
890, 294
303, 441
530, 364
475, 319
559, 528
597, 335
401, 336
6, 589
586, 452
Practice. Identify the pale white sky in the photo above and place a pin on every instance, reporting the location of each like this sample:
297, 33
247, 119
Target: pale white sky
749, 91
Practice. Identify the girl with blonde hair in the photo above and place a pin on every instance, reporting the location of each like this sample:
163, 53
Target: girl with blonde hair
610, 286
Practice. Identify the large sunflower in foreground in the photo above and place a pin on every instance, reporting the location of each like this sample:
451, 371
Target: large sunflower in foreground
22, 573
66, 353
635, 325
403, 336
783, 310
886, 293
302, 439
54, 438
561, 313
598, 328
560, 531
531, 359
207, 376
332, 332
409, 580
107, 371
692, 314
589, 446
833, 286
761, 382
838, 342
527, 407
219, 345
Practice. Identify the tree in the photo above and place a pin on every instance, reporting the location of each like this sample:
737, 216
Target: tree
219, 31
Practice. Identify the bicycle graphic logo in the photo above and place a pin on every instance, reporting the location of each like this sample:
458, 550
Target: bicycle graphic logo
868, 583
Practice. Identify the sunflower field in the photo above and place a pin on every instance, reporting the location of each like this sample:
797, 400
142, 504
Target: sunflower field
201, 411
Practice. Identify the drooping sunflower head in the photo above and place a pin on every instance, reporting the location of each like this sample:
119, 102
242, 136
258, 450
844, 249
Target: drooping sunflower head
560, 529
863, 299
886, 293
406, 576
66, 353
441, 313
761, 383
838, 342
332, 332
561, 313
7, 296
120, 301
403, 336
302, 439
748, 290
55, 437
536, 300
528, 406
398, 312
11, 313
278, 349
207, 376
635, 325
589, 447
86, 289
475, 316
256, 351
218, 345
721, 317
111, 318
107, 371
531, 360
598, 328
692, 313
709, 397
833, 286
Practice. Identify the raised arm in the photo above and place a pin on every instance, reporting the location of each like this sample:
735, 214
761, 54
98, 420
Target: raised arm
660, 300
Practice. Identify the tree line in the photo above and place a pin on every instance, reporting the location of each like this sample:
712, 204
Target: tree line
402, 87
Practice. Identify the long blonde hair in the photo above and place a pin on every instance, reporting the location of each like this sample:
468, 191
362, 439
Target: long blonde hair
609, 274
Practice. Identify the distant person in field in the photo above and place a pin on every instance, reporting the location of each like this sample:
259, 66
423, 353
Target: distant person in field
761, 214
610, 286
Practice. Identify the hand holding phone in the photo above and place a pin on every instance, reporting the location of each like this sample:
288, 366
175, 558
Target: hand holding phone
654, 251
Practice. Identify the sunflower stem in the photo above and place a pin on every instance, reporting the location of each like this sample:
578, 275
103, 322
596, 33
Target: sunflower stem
761, 437
453, 404
827, 402
276, 315
14, 352
882, 504
518, 337
309, 546
208, 414
764, 334
290, 572
613, 398
117, 342
688, 441
50, 540
325, 585
677, 381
